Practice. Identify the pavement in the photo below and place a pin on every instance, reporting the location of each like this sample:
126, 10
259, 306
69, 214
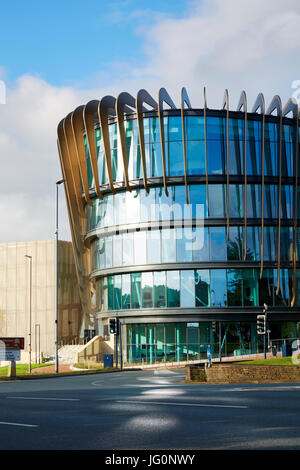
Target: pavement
149, 409
51, 369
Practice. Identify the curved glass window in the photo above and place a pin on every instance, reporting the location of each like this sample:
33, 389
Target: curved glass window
139, 206
216, 128
187, 244
194, 288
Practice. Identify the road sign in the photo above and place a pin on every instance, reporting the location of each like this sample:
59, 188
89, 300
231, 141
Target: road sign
12, 343
9, 355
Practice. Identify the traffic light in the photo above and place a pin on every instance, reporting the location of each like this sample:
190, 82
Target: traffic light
214, 327
112, 326
261, 324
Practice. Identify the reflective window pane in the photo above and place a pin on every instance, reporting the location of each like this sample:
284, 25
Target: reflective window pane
187, 288
173, 289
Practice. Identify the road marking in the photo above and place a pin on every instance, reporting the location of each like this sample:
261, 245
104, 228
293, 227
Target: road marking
179, 404
37, 398
19, 424
261, 389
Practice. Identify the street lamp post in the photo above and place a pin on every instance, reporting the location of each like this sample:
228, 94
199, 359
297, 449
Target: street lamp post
56, 289
30, 308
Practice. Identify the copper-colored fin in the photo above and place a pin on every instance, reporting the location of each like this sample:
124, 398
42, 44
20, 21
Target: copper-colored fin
73, 162
226, 105
260, 104
277, 105
205, 143
243, 104
292, 107
77, 128
184, 100
79, 253
163, 97
143, 97
122, 101
106, 108
90, 109
68, 186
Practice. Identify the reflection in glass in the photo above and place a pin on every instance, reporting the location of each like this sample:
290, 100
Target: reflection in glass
125, 291
159, 289
173, 289
136, 290
202, 286
218, 287
147, 290
187, 289
217, 243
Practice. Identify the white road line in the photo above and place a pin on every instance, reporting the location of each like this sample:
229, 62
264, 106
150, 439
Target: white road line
260, 389
19, 424
37, 398
179, 404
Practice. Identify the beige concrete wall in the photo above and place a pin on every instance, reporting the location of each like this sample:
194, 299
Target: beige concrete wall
15, 290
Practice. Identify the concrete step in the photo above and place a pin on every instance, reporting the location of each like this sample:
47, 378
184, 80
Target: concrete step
67, 353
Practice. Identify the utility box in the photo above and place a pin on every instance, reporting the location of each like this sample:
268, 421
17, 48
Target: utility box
108, 360
286, 350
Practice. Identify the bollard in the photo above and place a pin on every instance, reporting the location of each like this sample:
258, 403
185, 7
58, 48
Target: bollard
12, 369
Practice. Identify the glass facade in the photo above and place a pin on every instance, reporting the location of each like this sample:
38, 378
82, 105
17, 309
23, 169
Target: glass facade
140, 206
191, 288
161, 253
195, 148
189, 244
174, 342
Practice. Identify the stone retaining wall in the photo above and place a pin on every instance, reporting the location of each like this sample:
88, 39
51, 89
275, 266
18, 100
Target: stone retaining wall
242, 374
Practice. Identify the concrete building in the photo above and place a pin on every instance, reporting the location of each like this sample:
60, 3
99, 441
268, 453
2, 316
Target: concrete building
15, 294
185, 221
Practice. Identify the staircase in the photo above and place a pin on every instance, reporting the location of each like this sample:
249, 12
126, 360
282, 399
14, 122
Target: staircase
67, 354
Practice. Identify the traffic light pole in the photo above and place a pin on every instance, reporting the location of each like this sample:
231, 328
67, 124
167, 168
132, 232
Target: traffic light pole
116, 349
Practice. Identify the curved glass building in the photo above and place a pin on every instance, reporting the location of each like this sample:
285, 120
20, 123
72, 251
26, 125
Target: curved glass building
184, 221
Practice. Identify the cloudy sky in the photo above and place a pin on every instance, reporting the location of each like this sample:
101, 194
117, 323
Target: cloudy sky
58, 55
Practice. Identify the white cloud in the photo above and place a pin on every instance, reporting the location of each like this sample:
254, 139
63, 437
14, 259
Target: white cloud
234, 44
251, 45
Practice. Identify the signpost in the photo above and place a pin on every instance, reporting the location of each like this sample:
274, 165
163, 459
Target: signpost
10, 351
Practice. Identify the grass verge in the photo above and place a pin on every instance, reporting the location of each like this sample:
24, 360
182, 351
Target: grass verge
280, 361
24, 368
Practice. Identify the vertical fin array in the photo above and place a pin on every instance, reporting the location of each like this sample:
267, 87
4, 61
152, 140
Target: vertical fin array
107, 108
226, 106
163, 97
292, 107
184, 100
143, 97
89, 112
122, 101
205, 144
260, 104
277, 105
77, 126
243, 104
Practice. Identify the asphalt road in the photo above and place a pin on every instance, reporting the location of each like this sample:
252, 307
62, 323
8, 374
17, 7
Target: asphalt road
147, 410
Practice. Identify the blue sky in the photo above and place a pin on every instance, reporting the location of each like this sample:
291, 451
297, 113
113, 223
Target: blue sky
71, 42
